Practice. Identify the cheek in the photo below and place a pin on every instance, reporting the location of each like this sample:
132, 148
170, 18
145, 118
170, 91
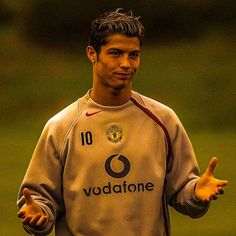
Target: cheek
107, 67
103, 69
136, 65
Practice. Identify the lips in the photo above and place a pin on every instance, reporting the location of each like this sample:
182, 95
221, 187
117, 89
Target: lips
123, 75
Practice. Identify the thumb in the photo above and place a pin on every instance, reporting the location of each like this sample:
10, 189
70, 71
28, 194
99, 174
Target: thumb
27, 196
211, 166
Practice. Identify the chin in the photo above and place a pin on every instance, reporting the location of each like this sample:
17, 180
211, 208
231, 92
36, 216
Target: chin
121, 84
118, 84
118, 87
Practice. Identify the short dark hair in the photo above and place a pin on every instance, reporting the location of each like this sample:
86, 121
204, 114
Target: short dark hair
113, 22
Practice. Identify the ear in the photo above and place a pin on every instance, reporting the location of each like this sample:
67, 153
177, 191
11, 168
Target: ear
91, 54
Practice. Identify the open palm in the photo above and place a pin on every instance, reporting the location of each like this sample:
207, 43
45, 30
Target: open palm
208, 187
31, 214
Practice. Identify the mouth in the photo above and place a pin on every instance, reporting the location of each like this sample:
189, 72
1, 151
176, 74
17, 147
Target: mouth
124, 75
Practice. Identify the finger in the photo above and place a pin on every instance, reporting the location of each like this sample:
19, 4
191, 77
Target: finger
222, 183
221, 191
43, 219
34, 220
214, 197
20, 214
212, 165
207, 200
25, 221
27, 196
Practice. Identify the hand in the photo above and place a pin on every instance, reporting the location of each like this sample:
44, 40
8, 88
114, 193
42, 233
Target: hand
31, 214
208, 187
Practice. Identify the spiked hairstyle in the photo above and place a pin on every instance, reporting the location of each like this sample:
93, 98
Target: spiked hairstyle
113, 22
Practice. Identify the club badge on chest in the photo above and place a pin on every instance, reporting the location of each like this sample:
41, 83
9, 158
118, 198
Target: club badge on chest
114, 133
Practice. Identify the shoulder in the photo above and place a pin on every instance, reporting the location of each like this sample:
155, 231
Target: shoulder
69, 115
164, 113
58, 127
65, 117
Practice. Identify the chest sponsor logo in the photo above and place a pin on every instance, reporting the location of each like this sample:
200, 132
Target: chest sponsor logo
123, 172
122, 187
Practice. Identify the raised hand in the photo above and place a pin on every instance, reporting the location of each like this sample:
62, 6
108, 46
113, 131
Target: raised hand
31, 214
208, 187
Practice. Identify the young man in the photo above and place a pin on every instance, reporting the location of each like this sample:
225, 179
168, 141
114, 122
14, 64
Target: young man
110, 163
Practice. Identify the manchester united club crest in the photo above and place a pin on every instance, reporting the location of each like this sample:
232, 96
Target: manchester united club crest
114, 134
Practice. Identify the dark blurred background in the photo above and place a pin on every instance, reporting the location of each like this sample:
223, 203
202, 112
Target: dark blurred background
188, 63
65, 23
196, 36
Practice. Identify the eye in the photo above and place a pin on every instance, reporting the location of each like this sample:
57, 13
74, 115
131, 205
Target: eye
114, 53
134, 55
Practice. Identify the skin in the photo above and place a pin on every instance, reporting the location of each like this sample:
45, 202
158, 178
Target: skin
208, 187
113, 71
31, 214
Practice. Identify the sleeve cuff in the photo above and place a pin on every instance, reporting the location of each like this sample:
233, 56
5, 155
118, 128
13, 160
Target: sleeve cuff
195, 202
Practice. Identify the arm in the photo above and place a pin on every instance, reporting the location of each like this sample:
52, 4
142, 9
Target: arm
44, 180
187, 192
183, 173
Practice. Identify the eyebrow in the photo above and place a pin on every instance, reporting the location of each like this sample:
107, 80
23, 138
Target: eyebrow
118, 49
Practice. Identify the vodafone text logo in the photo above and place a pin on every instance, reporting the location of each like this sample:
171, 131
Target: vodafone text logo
113, 173
118, 188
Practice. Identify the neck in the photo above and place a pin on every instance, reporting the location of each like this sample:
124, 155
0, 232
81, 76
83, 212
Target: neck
111, 97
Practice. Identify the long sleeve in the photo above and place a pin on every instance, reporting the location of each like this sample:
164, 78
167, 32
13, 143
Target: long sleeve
43, 178
183, 173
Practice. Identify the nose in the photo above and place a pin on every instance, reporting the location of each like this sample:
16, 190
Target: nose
125, 63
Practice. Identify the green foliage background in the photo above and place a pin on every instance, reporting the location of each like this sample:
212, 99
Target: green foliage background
188, 63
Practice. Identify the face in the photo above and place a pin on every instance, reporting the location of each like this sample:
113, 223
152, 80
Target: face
117, 62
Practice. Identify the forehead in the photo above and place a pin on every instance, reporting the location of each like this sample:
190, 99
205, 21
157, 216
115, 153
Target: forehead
122, 42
